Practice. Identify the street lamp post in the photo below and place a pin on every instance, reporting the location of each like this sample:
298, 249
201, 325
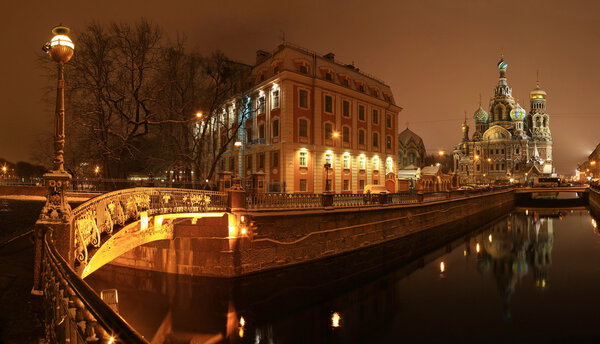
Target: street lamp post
55, 214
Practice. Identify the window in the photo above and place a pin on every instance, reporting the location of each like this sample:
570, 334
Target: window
275, 99
375, 182
249, 132
389, 165
375, 140
388, 121
411, 158
260, 104
328, 104
517, 151
346, 185
329, 159
303, 186
302, 128
361, 112
261, 160
328, 131
388, 142
346, 82
276, 128
361, 184
345, 108
376, 164
303, 69
478, 168
375, 93
346, 162
276, 69
346, 134
361, 137
329, 76
249, 162
362, 162
361, 88
261, 131
275, 159
303, 159
303, 99
375, 117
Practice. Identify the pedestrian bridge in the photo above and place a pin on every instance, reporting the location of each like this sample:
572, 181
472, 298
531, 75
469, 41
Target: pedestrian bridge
107, 226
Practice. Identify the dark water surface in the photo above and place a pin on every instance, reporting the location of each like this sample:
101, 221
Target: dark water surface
532, 276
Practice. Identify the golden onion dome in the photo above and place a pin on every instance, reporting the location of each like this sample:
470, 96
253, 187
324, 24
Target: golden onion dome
537, 93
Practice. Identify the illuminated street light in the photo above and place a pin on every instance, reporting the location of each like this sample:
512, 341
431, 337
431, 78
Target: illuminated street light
199, 114
441, 153
335, 320
335, 134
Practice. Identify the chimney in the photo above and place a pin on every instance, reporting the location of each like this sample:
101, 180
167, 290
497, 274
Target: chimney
261, 55
330, 56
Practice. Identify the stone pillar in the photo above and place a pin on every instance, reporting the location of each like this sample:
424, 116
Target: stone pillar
54, 221
327, 199
236, 197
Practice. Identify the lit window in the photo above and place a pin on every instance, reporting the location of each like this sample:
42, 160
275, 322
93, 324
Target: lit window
275, 99
260, 105
345, 108
376, 163
346, 162
328, 104
329, 159
302, 128
303, 99
362, 162
346, 134
389, 165
303, 159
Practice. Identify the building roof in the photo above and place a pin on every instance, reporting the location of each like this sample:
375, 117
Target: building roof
407, 135
430, 170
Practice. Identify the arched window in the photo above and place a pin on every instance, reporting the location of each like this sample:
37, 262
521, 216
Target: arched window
328, 131
411, 158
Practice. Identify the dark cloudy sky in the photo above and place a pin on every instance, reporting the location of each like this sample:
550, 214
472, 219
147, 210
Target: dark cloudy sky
437, 56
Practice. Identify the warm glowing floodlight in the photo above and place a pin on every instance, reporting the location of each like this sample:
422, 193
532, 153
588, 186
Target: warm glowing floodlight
441, 153
336, 134
237, 144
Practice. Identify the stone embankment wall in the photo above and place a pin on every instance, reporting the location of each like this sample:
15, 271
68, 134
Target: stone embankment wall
594, 200
279, 239
22, 190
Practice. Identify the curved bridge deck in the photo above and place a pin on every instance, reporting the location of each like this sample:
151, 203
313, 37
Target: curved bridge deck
552, 189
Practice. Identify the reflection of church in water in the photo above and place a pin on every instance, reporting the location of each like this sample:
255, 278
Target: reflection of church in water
508, 143
513, 247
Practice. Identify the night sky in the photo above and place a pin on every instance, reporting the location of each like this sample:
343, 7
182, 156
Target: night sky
437, 56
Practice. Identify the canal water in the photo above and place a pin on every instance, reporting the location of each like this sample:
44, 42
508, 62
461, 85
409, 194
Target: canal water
531, 276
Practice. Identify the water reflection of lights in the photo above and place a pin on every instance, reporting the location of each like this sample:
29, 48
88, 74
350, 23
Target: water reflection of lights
477, 248
526, 212
335, 319
490, 238
442, 267
594, 224
241, 329
111, 340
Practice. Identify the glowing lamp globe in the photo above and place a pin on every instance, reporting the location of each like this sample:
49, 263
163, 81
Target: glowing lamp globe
60, 48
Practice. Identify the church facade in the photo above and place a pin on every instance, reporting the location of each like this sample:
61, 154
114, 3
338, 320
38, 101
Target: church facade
509, 143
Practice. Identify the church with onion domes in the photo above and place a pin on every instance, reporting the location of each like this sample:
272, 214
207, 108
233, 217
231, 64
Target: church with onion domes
509, 144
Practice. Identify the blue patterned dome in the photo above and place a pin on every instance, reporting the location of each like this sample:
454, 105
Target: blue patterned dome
518, 113
480, 115
502, 65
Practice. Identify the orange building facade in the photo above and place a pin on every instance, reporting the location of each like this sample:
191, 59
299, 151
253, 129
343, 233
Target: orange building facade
316, 125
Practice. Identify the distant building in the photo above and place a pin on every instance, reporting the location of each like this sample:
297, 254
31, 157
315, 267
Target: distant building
508, 143
591, 167
411, 150
316, 125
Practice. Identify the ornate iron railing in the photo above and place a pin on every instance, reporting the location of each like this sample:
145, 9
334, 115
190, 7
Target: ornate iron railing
74, 312
271, 201
102, 215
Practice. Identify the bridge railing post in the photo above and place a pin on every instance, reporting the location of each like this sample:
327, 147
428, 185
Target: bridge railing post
236, 198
